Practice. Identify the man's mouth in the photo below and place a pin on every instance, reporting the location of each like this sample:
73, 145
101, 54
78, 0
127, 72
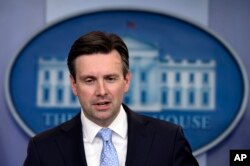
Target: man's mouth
102, 105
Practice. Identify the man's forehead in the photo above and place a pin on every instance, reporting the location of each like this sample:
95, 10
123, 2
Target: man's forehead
113, 57
100, 75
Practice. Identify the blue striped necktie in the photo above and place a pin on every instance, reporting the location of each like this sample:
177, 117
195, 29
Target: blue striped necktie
109, 155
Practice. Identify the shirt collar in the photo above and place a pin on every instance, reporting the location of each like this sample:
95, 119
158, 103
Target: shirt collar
119, 126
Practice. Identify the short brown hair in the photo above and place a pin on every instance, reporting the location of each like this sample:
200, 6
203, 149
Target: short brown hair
98, 42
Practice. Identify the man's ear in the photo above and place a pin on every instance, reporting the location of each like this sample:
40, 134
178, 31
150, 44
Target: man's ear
73, 85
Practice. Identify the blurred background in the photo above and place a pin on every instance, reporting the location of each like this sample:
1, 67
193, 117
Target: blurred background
21, 20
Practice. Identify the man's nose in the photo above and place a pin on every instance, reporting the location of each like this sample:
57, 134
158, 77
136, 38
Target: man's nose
101, 89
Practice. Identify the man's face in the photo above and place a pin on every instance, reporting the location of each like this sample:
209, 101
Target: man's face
100, 86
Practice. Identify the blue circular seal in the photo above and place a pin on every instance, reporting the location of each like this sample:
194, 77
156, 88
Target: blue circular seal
181, 72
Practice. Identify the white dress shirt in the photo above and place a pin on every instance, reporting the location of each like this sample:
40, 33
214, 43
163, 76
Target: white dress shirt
93, 145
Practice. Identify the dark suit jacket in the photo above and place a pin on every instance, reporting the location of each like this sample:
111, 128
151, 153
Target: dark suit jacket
151, 142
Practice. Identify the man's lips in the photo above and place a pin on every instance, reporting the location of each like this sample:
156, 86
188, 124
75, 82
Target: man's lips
102, 105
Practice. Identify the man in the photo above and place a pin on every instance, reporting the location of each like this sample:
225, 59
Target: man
99, 76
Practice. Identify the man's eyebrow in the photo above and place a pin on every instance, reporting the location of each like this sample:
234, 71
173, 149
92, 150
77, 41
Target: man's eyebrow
112, 75
106, 75
87, 76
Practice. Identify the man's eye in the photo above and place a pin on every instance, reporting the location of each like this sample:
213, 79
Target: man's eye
89, 81
111, 79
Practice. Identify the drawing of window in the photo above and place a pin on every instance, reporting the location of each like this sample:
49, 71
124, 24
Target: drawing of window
73, 98
127, 99
46, 94
143, 77
164, 96
59, 94
177, 77
191, 77
46, 75
191, 96
177, 96
143, 97
60, 75
205, 96
205, 78
164, 77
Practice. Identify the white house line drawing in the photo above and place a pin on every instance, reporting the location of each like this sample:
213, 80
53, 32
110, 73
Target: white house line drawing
53, 86
187, 85
158, 83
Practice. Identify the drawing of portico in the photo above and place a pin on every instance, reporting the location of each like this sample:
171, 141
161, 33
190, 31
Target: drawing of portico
143, 94
167, 84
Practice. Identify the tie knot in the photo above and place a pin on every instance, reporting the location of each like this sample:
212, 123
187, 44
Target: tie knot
105, 134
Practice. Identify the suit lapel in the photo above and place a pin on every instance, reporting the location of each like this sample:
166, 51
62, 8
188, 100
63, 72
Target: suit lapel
140, 138
71, 143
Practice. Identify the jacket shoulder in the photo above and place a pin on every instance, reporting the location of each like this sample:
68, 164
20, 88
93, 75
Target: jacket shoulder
59, 130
